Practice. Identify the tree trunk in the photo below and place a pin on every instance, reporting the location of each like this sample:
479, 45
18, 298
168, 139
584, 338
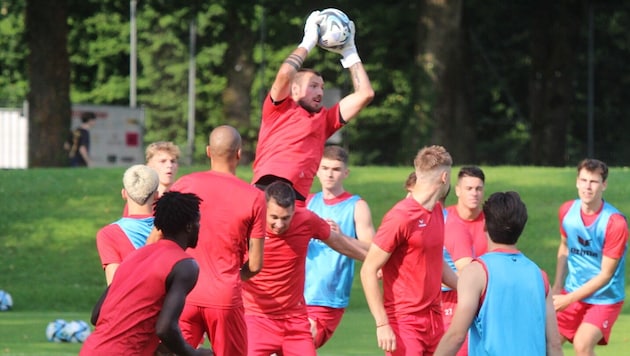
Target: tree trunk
240, 73
49, 81
554, 37
442, 56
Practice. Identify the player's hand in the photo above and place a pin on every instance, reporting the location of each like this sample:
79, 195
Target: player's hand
333, 226
348, 50
311, 30
386, 338
561, 301
313, 327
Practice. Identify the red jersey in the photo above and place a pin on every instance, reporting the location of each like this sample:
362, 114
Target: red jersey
291, 142
232, 211
115, 241
126, 323
412, 276
278, 290
464, 238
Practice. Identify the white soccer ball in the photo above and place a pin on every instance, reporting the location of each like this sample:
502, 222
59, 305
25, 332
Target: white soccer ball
6, 302
76, 331
334, 30
54, 330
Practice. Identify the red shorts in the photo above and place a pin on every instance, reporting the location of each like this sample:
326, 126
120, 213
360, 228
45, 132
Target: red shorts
417, 334
602, 316
326, 321
226, 328
449, 302
288, 337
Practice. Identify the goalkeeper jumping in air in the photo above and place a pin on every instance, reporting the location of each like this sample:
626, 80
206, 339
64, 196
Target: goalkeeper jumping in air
295, 126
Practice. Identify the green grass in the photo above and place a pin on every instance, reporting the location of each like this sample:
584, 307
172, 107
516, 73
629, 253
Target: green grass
49, 263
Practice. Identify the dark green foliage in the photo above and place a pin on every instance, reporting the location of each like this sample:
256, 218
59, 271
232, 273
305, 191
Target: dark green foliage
400, 119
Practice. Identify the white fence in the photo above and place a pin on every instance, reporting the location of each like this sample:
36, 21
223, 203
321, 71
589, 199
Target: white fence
115, 140
13, 138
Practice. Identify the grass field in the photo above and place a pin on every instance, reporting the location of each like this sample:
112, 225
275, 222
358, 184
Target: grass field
49, 263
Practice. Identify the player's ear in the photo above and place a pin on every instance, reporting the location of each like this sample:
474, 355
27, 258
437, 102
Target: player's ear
238, 154
123, 194
208, 151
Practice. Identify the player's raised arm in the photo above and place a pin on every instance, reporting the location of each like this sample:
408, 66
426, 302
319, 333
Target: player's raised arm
281, 87
363, 93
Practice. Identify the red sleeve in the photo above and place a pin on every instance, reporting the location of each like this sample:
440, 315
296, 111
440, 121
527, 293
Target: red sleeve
616, 236
389, 235
457, 239
564, 208
333, 120
269, 107
308, 199
260, 217
106, 244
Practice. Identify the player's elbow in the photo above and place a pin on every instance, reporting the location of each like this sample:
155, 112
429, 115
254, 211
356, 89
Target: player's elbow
367, 95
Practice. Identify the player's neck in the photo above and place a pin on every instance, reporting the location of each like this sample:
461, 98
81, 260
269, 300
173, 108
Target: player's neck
426, 195
223, 167
332, 192
593, 207
466, 213
137, 209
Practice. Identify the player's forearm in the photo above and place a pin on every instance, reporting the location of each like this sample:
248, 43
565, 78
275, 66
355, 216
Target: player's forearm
450, 344
347, 246
361, 82
449, 278
561, 269
172, 338
373, 295
247, 272
590, 287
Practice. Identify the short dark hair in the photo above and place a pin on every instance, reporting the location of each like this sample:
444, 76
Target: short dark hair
174, 211
506, 216
281, 192
595, 166
471, 171
87, 116
336, 153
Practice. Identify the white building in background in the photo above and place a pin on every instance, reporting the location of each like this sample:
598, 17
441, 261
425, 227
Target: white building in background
116, 140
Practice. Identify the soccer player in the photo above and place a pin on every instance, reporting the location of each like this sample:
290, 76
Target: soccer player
329, 274
275, 311
142, 305
464, 233
504, 297
408, 248
116, 240
163, 156
230, 246
593, 245
295, 125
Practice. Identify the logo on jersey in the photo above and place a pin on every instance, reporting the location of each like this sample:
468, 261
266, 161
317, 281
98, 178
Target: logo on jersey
421, 223
584, 242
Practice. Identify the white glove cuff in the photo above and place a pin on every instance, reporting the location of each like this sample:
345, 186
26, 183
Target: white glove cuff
350, 58
307, 44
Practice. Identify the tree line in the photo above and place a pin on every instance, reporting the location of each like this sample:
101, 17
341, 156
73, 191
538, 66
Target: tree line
518, 82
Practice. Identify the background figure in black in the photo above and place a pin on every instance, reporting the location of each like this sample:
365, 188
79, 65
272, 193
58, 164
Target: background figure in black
78, 144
